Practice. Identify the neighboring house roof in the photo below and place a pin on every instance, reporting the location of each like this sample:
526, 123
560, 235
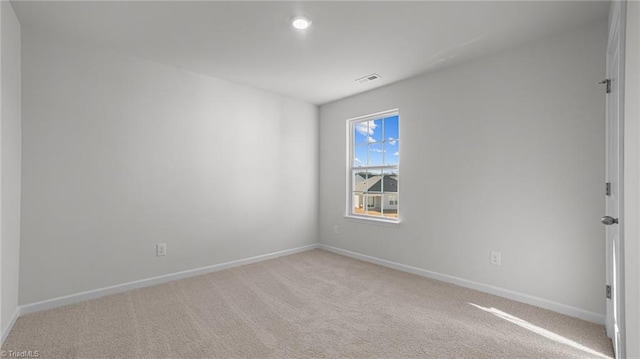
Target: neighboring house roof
376, 184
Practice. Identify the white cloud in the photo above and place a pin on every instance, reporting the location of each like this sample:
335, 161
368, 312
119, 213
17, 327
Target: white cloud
397, 154
356, 159
376, 150
367, 128
392, 141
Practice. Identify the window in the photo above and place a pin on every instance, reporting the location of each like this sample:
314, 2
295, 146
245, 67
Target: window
374, 157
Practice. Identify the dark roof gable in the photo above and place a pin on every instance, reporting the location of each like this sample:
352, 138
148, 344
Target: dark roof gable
390, 184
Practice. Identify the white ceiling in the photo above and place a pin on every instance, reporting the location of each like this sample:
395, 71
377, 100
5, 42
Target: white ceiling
253, 43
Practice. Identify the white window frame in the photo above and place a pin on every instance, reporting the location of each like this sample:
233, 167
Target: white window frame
350, 168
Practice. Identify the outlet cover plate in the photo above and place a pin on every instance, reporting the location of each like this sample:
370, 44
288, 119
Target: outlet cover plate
495, 258
161, 249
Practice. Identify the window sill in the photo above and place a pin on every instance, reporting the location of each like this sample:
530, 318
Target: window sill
375, 221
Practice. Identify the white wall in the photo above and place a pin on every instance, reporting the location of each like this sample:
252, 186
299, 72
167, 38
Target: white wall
504, 153
120, 153
631, 180
10, 160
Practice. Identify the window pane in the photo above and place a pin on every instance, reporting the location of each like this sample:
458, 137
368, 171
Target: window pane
358, 203
373, 204
374, 183
360, 155
391, 128
375, 154
390, 193
360, 181
390, 182
368, 131
375, 131
391, 152
360, 132
391, 206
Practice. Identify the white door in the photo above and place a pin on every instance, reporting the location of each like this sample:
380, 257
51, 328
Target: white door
613, 176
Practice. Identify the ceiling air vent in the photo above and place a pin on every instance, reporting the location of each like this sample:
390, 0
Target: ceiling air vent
368, 78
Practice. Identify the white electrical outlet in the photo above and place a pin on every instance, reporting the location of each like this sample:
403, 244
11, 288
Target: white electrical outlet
161, 249
336, 229
495, 258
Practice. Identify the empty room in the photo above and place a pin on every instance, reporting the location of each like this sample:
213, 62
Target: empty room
319, 179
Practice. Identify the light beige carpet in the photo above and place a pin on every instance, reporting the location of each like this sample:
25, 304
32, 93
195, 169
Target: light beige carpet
309, 305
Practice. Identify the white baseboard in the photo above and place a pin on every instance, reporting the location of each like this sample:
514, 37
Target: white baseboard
101, 292
97, 293
501, 292
5, 331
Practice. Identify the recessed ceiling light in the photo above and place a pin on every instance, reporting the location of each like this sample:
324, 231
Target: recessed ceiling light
301, 22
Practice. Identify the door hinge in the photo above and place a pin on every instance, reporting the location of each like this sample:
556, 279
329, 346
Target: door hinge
608, 189
607, 83
608, 291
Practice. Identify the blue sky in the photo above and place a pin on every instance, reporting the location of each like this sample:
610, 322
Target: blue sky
376, 141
